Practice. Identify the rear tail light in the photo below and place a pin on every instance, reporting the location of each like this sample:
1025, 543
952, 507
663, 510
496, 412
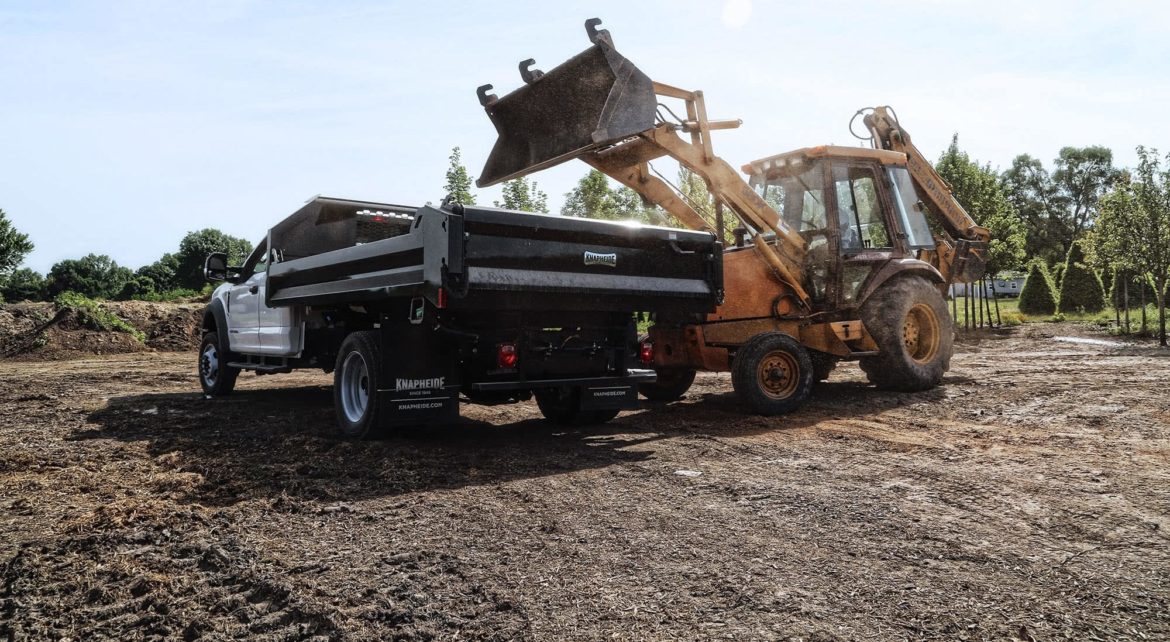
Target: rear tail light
646, 353
506, 355
441, 299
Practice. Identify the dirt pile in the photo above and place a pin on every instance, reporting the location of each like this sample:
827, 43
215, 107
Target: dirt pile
46, 331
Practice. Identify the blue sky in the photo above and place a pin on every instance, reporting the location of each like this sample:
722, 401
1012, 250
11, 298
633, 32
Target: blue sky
124, 125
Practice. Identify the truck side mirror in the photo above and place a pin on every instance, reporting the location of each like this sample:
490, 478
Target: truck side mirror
215, 267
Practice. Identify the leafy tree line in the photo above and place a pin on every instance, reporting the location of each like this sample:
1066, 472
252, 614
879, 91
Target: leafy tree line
97, 276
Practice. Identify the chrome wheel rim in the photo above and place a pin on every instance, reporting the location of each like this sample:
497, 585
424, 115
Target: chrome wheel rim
355, 387
209, 365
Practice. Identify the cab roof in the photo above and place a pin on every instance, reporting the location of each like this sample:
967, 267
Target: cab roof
806, 154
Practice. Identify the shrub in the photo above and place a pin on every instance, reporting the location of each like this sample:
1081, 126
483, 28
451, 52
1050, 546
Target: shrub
138, 287
24, 285
1080, 287
92, 315
1036, 296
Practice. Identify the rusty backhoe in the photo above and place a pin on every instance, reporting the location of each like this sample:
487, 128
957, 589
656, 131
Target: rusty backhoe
840, 252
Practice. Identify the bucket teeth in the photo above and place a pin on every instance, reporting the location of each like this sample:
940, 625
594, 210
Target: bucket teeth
529, 75
486, 99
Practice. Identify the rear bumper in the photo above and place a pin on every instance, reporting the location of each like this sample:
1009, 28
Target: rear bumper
632, 378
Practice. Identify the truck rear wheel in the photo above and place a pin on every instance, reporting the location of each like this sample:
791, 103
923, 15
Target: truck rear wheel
355, 385
772, 373
562, 406
215, 375
908, 319
671, 385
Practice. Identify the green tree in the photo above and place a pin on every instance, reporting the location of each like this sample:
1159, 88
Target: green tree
1036, 296
593, 197
1083, 175
523, 194
163, 273
458, 185
978, 190
1080, 287
24, 284
95, 276
1150, 217
14, 246
1058, 208
137, 287
195, 247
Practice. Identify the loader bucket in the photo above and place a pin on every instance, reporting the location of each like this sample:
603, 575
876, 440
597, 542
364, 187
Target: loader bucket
594, 99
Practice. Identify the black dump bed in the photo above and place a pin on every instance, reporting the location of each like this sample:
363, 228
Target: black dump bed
335, 251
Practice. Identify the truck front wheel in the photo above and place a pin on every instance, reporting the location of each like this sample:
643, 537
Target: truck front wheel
355, 385
215, 375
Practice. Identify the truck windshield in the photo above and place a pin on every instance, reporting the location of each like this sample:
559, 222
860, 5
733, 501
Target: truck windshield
910, 210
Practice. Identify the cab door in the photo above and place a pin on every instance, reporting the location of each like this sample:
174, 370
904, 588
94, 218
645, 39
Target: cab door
864, 239
244, 302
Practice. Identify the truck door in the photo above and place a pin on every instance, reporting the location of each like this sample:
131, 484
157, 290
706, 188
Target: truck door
244, 302
864, 237
279, 328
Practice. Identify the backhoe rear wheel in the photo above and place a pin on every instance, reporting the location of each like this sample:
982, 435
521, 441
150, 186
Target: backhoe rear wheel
908, 319
772, 373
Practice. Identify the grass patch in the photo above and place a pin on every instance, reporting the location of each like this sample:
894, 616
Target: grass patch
92, 315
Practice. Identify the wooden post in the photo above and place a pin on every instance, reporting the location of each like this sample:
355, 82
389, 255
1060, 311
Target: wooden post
995, 297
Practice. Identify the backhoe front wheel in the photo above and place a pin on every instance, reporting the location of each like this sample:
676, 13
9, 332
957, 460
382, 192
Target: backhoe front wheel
772, 373
908, 319
671, 384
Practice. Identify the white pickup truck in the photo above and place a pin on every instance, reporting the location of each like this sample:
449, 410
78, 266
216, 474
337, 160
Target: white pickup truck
417, 309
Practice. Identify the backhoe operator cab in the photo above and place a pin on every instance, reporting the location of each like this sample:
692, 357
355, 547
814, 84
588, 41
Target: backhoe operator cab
856, 209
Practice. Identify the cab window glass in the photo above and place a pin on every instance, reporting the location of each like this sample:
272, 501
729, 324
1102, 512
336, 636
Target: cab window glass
911, 211
799, 198
859, 211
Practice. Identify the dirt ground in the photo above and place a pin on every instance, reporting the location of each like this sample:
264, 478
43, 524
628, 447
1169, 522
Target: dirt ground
1027, 498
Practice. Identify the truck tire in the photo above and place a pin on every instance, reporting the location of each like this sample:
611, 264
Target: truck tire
355, 385
561, 407
908, 319
215, 375
772, 373
671, 385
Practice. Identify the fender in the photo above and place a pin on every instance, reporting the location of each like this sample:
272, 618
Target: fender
899, 267
215, 316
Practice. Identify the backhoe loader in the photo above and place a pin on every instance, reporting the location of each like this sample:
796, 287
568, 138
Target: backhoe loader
840, 253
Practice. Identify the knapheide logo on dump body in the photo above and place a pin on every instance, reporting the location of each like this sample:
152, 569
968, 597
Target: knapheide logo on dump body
600, 258
418, 384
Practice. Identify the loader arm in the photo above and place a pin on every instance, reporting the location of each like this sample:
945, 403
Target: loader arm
962, 252
600, 108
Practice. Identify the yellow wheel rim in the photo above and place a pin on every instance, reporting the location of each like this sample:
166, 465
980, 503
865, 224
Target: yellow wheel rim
778, 374
920, 333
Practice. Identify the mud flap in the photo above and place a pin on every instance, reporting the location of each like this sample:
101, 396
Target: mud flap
623, 397
594, 99
419, 382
